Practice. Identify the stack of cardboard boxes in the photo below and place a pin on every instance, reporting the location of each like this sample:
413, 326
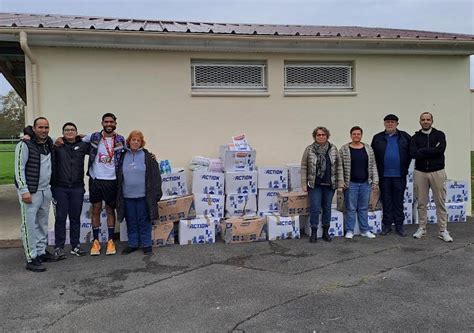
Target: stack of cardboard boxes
457, 195
240, 181
208, 190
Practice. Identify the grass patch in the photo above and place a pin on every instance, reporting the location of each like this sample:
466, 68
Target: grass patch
6, 167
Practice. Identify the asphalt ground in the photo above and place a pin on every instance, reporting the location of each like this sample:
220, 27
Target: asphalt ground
389, 284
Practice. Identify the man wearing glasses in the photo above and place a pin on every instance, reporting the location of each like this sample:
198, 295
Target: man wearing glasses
68, 189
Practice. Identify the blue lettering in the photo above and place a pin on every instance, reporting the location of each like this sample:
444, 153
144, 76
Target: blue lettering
171, 178
274, 172
243, 178
209, 177
198, 226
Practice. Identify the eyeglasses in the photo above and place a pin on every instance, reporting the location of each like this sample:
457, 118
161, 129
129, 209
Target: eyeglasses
70, 130
321, 134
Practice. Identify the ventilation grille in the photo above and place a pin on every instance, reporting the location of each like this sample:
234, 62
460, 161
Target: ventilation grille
318, 76
207, 75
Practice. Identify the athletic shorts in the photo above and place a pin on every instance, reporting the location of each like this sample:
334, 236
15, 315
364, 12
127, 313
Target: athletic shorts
103, 190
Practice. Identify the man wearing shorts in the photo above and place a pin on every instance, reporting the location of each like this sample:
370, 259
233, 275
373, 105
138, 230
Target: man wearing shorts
106, 149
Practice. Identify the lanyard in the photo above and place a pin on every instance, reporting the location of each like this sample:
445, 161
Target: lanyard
110, 150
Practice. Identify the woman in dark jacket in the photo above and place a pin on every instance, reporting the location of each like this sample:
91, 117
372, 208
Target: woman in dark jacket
139, 190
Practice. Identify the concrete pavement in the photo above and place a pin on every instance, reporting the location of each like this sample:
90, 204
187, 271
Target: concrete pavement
385, 284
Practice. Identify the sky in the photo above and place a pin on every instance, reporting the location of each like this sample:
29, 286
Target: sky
433, 15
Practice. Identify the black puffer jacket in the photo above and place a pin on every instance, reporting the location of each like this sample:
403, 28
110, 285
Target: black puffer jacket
68, 170
153, 191
428, 150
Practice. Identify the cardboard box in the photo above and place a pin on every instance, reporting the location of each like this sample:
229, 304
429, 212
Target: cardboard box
175, 209
457, 191
209, 205
234, 160
411, 169
241, 204
374, 220
336, 227
275, 178
241, 182
215, 221
208, 182
456, 211
294, 177
293, 203
199, 230
280, 227
174, 183
162, 234
408, 194
243, 230
268, 200
408, 212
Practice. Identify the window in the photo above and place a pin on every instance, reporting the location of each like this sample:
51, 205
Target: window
228, 75
318, 76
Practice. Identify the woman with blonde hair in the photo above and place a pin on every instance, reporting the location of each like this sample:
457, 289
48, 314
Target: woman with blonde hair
321, 174
139, 190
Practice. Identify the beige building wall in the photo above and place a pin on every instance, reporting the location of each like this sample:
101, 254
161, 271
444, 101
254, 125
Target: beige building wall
151, 91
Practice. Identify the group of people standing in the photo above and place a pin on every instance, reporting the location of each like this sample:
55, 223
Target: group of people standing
122, 173
126, 176
358, 168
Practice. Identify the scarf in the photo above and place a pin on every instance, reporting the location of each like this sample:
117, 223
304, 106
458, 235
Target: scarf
320, 152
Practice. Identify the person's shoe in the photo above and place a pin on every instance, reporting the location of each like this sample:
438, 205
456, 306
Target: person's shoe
326, 235
386, 232
110, 247
419, 233
401, 233
368, 234
77, 251
349, 235
47, 257
59, 253
129, 250
95, 248
35, 265
444, 235
314, 235
148, 251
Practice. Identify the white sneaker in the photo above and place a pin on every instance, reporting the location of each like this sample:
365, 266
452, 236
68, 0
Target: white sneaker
419, 233
368, 234
349, 235
444, 235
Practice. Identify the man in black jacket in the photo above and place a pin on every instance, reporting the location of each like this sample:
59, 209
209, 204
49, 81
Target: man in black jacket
392, 155
68, 189
427, 148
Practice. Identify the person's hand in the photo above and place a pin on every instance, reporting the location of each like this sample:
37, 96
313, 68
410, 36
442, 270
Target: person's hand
374, 186
59, 142
26, 198
153, 156
305, 189
340, 189
26, 137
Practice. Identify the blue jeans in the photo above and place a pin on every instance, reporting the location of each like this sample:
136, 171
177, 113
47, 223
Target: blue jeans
68, 202
138, 222
357, 202
320, 198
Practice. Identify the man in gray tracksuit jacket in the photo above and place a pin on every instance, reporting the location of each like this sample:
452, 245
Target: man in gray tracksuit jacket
32, 177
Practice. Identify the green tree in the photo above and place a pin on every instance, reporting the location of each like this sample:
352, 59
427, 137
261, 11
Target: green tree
12, 114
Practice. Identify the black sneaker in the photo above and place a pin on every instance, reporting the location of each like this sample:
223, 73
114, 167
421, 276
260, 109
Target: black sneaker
129, 250
48, 257
35, 265
77, 251
147, 251
59, 253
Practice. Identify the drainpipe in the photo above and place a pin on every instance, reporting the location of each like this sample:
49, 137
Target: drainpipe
33, 110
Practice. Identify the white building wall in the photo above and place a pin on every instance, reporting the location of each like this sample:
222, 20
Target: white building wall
151, 91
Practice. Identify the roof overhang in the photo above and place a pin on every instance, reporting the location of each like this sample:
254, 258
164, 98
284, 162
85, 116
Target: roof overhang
237, 43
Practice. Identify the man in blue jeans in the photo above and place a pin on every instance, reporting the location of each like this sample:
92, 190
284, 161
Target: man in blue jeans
68, 189
392, 155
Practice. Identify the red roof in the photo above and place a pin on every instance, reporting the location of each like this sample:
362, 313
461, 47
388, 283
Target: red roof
46, 21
